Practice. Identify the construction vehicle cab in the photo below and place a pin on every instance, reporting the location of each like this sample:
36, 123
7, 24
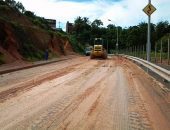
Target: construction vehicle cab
98, 50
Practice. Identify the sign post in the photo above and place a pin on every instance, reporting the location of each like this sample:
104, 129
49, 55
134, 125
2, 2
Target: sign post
149, 9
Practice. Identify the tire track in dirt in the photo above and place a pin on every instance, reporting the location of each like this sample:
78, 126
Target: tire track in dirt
57, 107
86, 110
66, 111
138, 117
86, 88
105, 113
83, 83
27, 85
143, 111
98, 94
7, 80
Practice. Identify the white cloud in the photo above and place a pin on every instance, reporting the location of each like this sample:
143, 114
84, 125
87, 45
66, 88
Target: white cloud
123, 13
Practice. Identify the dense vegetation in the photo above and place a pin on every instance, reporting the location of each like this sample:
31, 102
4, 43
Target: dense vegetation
134, 36
12, 3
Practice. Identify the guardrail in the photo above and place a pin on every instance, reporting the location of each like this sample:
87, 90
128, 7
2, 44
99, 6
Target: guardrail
164, 73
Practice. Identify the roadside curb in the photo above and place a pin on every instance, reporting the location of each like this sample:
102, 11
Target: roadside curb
31, 66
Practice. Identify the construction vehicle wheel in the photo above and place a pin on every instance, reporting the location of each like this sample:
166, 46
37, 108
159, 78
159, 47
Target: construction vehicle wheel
105, 56
91, 56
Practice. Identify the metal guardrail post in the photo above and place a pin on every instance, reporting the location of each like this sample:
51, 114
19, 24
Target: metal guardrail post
161, 53
168, 52
140, 51
135, 50
155, 52
131, 51
143, 52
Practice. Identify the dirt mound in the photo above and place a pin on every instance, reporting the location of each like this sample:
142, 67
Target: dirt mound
8, 43
21, 39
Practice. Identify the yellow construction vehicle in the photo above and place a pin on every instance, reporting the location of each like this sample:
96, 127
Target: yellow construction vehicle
98, 50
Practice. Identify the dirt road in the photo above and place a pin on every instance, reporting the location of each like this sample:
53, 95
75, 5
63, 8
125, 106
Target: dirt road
83, 94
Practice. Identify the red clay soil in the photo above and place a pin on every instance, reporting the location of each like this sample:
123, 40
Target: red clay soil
84, 94
10, 49
10, 43
10, 52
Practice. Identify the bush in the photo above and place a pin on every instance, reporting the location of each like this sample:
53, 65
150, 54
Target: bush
41, 22
77, 47
27, 46
29, 14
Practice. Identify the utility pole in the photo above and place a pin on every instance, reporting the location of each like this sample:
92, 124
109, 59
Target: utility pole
59, 23
117, 41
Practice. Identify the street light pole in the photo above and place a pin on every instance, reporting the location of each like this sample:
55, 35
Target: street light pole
117, 43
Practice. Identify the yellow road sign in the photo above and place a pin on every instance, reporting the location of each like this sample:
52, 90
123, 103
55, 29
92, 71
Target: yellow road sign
149, 9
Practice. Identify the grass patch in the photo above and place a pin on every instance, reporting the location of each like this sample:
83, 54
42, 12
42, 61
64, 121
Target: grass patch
27, 45
53, 55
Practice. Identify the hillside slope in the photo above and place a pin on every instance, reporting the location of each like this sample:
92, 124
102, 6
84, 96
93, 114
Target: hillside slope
21, 39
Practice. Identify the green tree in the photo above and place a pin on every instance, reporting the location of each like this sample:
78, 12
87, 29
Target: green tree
162, 28
30, 14
82, 29
128, 37
97, 23
96, 29
11, 3
17, 5
20, 7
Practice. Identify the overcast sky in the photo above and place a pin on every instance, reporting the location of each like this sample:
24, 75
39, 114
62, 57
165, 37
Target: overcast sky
123, 13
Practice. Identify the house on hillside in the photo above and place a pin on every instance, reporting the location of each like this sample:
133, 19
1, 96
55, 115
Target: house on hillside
69, 27
51, 23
